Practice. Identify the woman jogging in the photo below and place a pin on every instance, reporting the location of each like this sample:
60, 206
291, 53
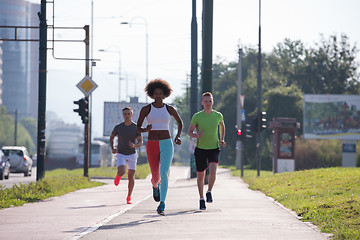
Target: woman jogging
159, 146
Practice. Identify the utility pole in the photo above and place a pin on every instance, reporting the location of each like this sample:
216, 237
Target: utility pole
259, 100
194, 79
87, 124
40, 170
207, 69
91, 73
238, 159
15, 127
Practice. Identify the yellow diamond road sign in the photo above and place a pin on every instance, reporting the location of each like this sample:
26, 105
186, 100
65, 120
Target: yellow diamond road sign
87, 85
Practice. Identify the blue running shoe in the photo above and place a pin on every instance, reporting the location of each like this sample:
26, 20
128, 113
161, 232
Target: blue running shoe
160, 209
156, 194
209, 198
202, 204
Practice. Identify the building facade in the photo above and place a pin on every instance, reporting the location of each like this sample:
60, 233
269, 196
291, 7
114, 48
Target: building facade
0, 74
19, 58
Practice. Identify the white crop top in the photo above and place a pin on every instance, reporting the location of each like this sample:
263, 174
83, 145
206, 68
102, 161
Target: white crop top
159, 118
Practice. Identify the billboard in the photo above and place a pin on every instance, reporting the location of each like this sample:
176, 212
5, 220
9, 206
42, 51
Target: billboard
113, 114
332, 116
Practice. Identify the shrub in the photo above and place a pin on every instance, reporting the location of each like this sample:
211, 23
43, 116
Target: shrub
142, 159
312, 153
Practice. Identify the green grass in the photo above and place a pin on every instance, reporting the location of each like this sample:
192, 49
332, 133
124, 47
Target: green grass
36, 191
329, 198
59, 182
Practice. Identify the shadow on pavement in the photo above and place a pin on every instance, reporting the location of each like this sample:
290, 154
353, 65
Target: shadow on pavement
127, 225
97, 206
171, 212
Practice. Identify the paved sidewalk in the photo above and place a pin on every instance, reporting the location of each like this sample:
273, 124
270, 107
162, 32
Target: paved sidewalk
236, 213
102, 213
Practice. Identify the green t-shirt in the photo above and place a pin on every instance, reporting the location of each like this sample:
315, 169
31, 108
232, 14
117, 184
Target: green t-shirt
208, 123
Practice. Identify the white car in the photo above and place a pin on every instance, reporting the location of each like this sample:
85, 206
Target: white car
19, 159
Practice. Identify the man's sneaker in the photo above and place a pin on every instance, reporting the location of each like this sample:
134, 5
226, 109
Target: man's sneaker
156, 194
117, 180
160, 209
128, 200
202, 204
209, 197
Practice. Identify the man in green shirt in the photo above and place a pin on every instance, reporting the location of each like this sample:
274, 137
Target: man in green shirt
207, 151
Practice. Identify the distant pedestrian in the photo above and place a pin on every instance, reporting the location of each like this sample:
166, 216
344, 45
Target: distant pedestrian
207, 151
125, 152
159, 147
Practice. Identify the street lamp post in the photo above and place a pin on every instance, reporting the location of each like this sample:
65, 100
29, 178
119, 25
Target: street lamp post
119, 73
147, 47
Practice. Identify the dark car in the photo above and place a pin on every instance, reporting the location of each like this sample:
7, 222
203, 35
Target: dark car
4, 167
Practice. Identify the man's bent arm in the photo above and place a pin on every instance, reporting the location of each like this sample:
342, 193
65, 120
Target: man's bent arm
139, 142
112, 142
191, 131
222, 131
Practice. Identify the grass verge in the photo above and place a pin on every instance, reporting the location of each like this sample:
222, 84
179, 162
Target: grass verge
59, 182
329, 198
36, 191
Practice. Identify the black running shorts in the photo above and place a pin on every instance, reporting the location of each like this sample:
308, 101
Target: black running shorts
205, 156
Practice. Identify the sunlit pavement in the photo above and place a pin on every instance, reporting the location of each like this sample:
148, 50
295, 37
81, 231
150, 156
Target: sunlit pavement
102, 213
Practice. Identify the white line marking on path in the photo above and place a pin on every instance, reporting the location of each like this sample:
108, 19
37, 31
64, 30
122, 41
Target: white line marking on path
108, 219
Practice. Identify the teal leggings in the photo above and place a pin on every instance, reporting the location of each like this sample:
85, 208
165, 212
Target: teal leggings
160, 154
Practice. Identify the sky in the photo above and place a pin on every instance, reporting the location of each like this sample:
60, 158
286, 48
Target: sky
168, 24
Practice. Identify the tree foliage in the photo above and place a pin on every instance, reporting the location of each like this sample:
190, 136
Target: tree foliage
30, 124
284, 102
7, 131
289, 71
329, 67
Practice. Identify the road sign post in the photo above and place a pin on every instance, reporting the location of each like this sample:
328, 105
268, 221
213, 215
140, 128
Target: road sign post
86, 86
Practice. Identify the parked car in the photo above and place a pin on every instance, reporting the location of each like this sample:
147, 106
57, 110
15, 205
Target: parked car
19, 159
4, 167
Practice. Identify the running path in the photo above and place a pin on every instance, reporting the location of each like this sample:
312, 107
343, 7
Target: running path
236, 213
71, 215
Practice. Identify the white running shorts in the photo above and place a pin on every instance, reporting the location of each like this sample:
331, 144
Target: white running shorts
129, 160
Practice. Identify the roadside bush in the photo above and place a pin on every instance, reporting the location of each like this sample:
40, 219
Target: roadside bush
142, 159
267, 155
312, 153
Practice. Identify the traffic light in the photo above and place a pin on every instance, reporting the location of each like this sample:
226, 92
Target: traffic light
246, 131
83, 109
238, 134
263, 123
259, 122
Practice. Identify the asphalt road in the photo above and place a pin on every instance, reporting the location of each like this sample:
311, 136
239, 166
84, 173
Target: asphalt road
17, 178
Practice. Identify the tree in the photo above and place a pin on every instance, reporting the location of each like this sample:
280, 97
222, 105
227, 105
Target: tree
331, 68
7, 129
30, 124
284, 102
182, 104
287, 59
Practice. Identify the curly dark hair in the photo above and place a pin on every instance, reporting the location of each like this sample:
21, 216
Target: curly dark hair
158, 83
